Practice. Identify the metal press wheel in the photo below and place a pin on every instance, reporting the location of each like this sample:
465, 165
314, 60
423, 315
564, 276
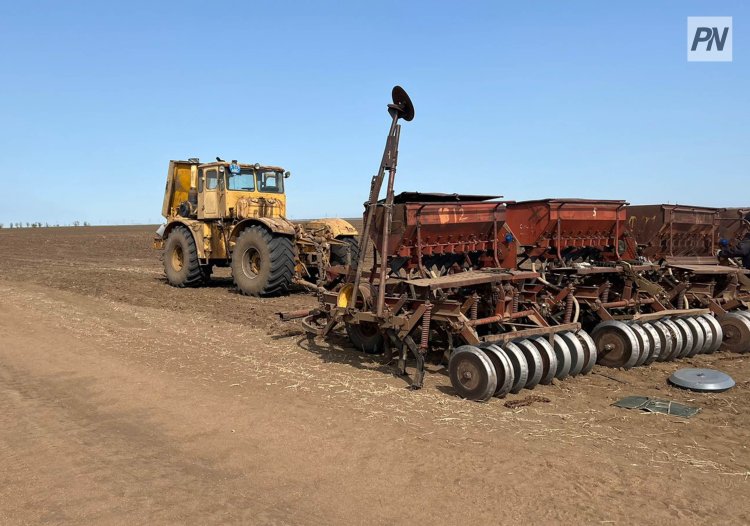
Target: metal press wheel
563, 353
708, 335
678, 340
503, 368
736, 330
687, 337
716, 330
577, 355
616, 344
549, 359
472, 374
589, 351
699, 337
644, 348
533, 362
666, 340
654, 342
520, 367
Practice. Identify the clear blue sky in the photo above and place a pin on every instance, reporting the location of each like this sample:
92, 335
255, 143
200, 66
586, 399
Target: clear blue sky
522, 99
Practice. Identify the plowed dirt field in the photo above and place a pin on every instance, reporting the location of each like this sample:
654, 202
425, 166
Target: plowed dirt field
126, 401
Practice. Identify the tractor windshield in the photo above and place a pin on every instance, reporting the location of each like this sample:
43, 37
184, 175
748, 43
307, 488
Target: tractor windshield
243, 181
270, 181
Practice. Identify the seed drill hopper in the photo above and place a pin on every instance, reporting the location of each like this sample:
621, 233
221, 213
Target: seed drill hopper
734, 225
684, 241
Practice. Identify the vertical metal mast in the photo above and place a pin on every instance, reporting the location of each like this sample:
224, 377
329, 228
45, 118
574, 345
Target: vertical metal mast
400, 108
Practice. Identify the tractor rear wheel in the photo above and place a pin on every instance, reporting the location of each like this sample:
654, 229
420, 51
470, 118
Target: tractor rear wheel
181, 264
339, 253
262, 263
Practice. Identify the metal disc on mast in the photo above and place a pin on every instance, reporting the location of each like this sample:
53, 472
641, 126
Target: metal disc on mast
401, 104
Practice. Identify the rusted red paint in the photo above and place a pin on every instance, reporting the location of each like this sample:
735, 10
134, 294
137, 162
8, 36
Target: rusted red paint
675, 230
549, 227
422, 229
734, 224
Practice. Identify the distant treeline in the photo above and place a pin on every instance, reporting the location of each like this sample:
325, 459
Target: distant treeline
42, 225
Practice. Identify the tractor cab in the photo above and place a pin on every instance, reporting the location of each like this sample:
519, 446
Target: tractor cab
224, 190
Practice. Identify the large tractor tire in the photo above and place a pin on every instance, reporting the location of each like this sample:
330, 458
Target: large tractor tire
262, 263
339, 252
181, 264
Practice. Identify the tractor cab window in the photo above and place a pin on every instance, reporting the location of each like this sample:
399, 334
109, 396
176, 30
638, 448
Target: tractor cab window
243, 181
272, 182
212, 179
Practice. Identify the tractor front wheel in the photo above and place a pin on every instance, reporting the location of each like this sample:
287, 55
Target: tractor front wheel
181, 264
262, 263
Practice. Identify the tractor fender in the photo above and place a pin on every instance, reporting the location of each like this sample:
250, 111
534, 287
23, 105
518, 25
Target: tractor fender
193, 226
336, 226
276, 225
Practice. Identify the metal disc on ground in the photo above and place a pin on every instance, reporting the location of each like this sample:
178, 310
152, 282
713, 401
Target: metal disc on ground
549, 359
678, 341
718, 333
736, 329
503, 369
563, 357
665, 338
589, 351
687, 337
644, 347
577, 356
745, 313
699, 337
704, 380
472, 373
654, 342
533, 362
708, 334
520, 368
616, 344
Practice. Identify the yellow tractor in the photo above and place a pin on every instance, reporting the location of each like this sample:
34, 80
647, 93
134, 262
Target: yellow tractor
231, 214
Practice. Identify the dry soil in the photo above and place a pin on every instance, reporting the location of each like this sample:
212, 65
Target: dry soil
124, 400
